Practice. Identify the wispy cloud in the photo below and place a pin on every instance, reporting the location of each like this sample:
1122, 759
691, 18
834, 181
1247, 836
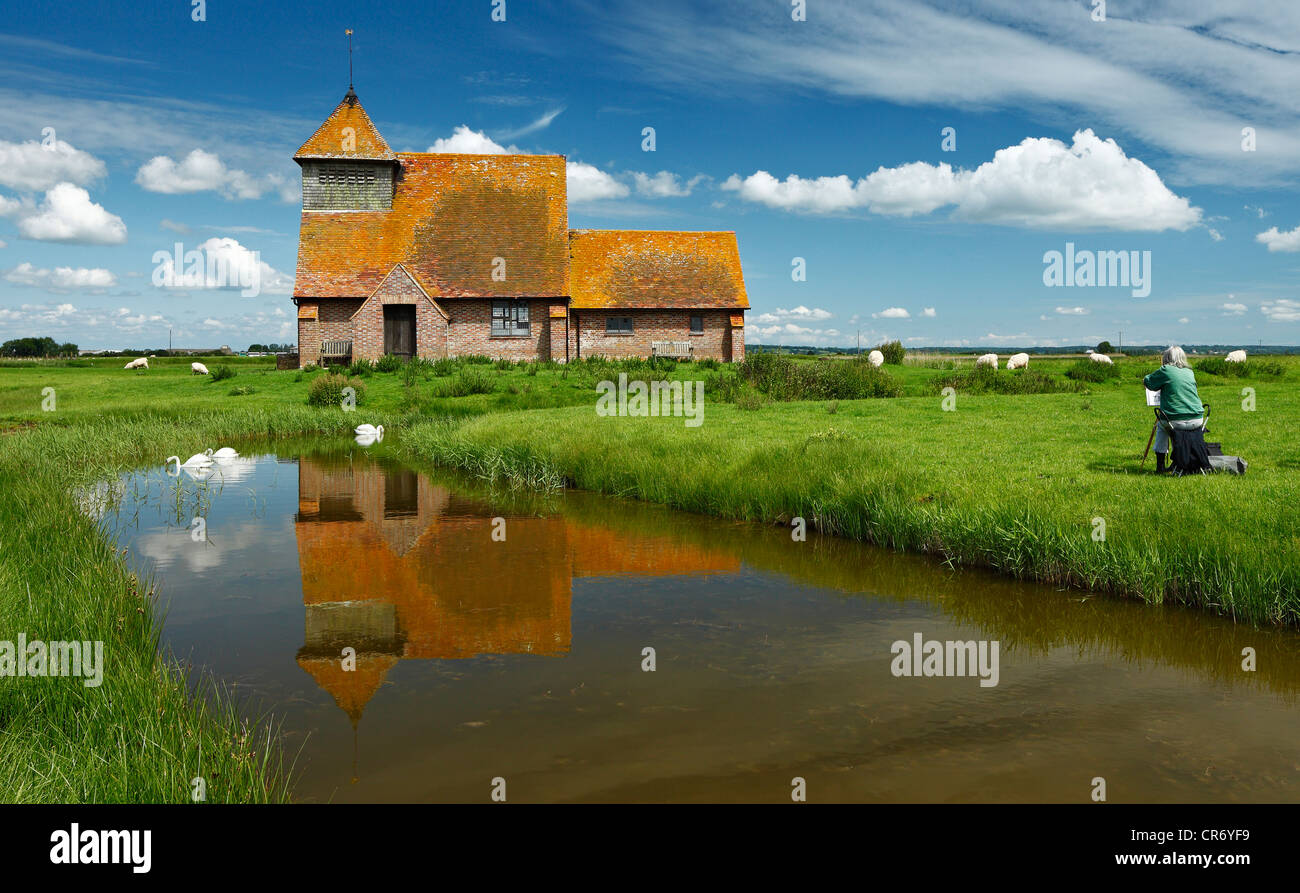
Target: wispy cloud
1185, 78
538, 124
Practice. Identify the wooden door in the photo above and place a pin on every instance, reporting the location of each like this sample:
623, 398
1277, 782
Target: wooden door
399, 329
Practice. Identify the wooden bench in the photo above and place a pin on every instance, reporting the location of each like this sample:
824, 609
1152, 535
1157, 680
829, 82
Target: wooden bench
336, 349
680, 350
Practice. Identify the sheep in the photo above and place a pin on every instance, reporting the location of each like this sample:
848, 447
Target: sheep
876, 358
1237, 356
198, 369
141, 363
1018, 361
988, 359
1101, 358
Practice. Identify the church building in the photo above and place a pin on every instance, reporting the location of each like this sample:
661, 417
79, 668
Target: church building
445, 255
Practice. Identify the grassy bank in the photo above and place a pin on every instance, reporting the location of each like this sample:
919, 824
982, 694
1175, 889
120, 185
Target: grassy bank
1018, 483
152, 725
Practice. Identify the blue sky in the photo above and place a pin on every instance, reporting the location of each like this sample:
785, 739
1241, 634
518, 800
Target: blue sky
819, 139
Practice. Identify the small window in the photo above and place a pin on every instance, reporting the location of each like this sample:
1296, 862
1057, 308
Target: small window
509, 318
697, 324
618, 325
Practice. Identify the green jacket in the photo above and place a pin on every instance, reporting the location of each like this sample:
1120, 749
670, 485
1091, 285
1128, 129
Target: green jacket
1177, 387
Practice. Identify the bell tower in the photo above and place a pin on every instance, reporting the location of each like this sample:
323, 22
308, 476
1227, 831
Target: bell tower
346, 165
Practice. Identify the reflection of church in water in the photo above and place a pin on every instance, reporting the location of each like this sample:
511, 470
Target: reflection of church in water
398, 567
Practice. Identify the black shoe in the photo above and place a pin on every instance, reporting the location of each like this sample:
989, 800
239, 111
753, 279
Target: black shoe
1160, 463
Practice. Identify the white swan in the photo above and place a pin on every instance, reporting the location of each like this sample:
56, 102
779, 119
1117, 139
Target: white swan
197, 462
369, 430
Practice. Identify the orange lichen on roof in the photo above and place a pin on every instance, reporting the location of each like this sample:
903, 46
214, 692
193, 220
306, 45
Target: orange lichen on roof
466, 226
655, 269
347, 133
351, 688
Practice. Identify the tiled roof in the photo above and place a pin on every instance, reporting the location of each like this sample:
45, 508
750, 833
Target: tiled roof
453, 216
347, 133
654, 269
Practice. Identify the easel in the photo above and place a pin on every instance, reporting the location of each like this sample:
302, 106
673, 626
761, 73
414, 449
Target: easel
1151, 395
1151, 439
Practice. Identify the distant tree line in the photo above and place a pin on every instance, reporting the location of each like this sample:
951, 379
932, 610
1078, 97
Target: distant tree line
270, 348
37, 347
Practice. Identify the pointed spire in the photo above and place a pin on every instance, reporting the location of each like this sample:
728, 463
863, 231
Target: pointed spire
347, 133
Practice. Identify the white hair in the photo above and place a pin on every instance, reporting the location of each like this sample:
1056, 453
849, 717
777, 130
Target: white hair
1174, 356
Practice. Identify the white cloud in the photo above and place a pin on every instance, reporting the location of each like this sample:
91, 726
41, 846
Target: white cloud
464, 141
202, 171
1215, 234
781, 314
1234, 309
60, 315
892, 313
221, 263
174, 226
793, 333
68, 215
929, 311
60, 277
664, 184
1041, 182
588, 183
1072, 311
1183, 320
1281, 310
539, 124
33, 167
1280, 241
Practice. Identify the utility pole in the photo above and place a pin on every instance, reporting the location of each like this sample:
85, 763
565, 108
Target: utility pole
859, 341
1121, 341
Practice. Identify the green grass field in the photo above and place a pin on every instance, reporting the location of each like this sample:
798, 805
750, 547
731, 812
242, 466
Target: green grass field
1010, 478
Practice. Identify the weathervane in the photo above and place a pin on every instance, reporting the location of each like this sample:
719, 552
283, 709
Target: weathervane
349, 33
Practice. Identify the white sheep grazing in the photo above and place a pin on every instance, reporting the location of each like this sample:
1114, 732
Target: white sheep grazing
1237, 356
876, 358
988, 359
141, 363
198, 369
1018, 361
1101, 358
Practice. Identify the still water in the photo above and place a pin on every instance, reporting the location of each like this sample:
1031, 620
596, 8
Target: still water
523, 658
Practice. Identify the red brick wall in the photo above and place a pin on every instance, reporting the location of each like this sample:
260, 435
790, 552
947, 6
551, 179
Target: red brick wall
559, 331
334, 322
368, 324
737, 344
470, 326
649, 326
470, 331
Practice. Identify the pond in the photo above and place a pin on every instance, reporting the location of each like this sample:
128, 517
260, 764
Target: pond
508, 636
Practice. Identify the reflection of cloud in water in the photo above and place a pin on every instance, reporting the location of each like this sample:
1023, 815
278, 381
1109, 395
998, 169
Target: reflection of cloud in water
232, 471
175, 548
98, 499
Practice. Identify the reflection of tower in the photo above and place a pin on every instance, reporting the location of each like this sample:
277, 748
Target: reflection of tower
398, 567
